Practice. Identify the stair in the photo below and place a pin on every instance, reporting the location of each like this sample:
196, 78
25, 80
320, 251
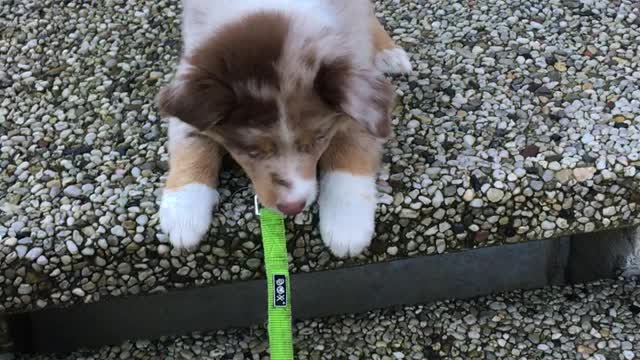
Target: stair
519, 125
597, 321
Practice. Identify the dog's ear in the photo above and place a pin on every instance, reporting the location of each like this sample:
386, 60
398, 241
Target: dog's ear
196, 98
364, 95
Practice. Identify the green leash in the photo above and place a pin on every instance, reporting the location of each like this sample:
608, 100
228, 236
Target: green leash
278, 285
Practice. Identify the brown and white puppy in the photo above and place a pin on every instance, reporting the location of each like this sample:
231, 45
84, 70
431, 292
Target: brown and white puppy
284, 86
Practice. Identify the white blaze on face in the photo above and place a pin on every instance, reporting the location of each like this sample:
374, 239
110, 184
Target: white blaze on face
301, 189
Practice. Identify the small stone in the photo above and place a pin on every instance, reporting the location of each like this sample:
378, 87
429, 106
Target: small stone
439, 214
629, 355
163, 249
609, 211
470, 319
34, 253
444, 226
468, 195
618, 119
65, 259
412, 245
78, 292
254, 263
155, 75
563, 176
124, 268
72, 191
560, 66
584, 174
469, 140
142, 220
386, 199
437, 199
413, 124
409, 214
495, 195
477, 203
555, 166
393, 250
90, 138
548, 225
10, 242
72, 247
21, 250
458, 100
42, 260
24, 289
17, 226
585, 349
544, 91
537, 185
219, 252
587, 139
530, 151
118, 231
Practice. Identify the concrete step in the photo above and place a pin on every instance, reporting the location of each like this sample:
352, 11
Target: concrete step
513, 128
417, 280
600, 320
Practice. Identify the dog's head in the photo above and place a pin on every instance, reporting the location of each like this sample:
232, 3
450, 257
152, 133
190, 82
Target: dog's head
274, 100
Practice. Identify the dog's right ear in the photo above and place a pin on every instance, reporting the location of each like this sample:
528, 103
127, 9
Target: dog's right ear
363, 94
196, 98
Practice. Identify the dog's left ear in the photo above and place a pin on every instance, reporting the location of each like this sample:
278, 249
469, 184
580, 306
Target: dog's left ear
367, 96
197, 98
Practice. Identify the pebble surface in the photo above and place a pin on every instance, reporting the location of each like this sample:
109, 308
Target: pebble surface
520, 123
599, 321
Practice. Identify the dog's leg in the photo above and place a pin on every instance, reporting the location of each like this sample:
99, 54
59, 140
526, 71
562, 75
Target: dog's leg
348, 194
389, 57
190, 193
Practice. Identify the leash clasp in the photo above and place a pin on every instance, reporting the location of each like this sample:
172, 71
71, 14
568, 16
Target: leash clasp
256, 205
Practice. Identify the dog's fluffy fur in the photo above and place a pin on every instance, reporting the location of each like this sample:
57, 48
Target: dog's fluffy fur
283, 86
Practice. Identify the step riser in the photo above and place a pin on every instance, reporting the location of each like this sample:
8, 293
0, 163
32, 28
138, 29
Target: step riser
352, 290
420, 280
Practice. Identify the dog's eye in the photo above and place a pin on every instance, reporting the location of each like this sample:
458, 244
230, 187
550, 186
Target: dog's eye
322, 136
263, 150
258, 154
255, 154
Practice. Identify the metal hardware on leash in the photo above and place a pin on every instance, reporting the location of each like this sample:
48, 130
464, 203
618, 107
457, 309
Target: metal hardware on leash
256, 205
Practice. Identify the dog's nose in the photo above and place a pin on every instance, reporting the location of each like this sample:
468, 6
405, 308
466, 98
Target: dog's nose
291, 208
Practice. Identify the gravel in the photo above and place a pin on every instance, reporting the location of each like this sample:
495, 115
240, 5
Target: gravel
503, 93
594, 321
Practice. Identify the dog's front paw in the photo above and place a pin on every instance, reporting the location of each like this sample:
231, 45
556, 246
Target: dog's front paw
347, 212
185, 213
393, 61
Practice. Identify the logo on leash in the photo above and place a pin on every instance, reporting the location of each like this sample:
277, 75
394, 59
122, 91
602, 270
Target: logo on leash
279, 291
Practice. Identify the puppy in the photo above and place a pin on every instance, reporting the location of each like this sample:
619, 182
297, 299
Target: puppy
285, 87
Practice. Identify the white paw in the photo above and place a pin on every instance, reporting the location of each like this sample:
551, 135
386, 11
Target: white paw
347, 212
393, 61
185, 213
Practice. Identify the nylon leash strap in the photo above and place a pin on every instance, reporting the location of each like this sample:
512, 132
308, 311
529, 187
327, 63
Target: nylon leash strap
278, 285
